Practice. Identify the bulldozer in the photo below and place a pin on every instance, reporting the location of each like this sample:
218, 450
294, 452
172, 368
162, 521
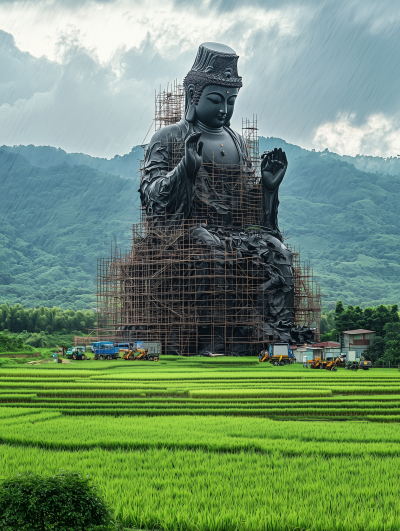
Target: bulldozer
140, 354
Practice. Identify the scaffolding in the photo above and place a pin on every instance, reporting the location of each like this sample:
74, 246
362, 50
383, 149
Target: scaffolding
169, 105
307, 294
187, 295
250, 136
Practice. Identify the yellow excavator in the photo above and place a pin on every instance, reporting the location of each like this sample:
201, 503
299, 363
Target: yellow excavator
141, 354
330, 365
317, 363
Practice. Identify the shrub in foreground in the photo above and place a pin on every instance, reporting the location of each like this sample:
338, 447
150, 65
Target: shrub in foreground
64, 502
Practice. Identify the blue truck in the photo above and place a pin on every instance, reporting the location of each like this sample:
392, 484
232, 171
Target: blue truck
104, 350
107, 350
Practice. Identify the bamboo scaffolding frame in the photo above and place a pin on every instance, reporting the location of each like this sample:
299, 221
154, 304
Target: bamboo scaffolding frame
155, 292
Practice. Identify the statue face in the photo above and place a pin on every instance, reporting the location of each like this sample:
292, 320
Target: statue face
216, 105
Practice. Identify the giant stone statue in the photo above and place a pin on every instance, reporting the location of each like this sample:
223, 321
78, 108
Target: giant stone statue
197, 174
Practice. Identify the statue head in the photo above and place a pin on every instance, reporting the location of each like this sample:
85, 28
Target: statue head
212, 85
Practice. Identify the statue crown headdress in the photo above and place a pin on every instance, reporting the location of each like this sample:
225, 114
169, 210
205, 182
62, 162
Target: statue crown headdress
215, 64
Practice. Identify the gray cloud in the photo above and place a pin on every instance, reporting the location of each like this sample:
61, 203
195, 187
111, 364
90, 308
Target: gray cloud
340, 59
21, 75
334, 66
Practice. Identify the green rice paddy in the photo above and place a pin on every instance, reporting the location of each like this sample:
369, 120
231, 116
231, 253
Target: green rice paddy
213, 444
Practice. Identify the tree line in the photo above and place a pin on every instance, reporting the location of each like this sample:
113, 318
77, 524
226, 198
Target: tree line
17, 319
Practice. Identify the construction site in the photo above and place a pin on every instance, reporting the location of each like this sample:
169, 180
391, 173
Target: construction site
157, 291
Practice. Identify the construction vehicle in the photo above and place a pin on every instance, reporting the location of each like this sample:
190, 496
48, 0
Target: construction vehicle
141, 354
331, 365
101, 345
106, 351
352, 365
362, 364
76, 353
317, 363
278, 354
340, 361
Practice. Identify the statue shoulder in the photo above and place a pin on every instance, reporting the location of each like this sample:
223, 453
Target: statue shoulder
163, 140
175, 131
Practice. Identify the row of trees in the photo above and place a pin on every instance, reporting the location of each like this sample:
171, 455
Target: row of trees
17, 319
354, 317
384, 320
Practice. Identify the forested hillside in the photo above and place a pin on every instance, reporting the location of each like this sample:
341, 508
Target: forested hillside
59, 212
126, 166
55, 223
347, 223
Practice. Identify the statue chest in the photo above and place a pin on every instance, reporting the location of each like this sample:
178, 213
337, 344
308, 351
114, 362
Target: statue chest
219, 148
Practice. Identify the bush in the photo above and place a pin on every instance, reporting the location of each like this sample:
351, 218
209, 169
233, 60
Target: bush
12, 344
64, 502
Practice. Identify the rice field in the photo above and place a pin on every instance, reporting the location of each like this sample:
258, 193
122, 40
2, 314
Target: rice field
213, 444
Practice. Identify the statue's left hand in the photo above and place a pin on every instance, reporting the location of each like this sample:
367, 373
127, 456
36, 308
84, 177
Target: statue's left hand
273, 168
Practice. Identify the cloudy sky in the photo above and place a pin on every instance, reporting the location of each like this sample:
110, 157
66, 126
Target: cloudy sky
81, 75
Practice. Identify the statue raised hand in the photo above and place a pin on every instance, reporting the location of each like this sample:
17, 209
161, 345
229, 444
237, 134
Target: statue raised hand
273, 168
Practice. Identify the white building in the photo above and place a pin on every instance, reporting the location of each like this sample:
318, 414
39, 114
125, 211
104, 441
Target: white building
357, 341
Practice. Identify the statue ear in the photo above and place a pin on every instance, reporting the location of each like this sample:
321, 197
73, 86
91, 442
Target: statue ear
191, 113
190, 107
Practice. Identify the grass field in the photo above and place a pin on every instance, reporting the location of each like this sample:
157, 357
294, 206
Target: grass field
213, 444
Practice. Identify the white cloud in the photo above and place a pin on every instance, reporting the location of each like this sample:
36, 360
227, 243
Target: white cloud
105, 27
379, 135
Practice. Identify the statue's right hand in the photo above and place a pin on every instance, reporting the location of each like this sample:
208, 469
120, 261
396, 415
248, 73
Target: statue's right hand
193, 154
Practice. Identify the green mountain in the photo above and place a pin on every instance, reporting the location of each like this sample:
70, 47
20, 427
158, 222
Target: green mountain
389, 165
346, 222
55, 223
126, 166
59, 212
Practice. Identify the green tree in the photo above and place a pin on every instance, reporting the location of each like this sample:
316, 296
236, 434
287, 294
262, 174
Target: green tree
353, 318
376, 349
327, 323
392, 343
16, 319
